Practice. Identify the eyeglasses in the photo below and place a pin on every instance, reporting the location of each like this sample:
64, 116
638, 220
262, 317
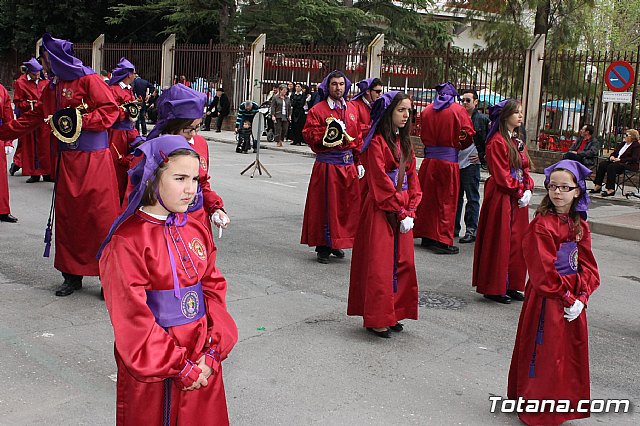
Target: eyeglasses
467, 100
563, 188
378, 91
192, 128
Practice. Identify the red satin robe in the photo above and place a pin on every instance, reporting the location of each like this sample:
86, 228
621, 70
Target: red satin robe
212, 201
86, 189
119, 140
498, 261
137, 259
35, 156
6, 115
561, 364
333, 197
439, 179
364, 116
371, 292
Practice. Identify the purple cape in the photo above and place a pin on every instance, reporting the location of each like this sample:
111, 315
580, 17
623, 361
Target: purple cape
363, 85
33, 65
178, 101
121, 71
494, 116
581, 173
447, 94
323, 88
377, 111
62, 62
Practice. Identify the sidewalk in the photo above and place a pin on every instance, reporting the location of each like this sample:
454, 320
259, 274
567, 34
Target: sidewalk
613, 216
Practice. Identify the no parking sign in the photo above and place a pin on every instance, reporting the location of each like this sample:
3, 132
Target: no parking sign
619, 76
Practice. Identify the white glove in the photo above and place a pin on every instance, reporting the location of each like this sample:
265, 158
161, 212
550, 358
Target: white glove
573, 311
406, 225
524, 200
360, 171
9, 149
220, 222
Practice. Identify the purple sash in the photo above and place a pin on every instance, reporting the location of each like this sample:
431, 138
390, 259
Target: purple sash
123, 125
517, 174
444, 153
87, 142
337, 157
393, 175
170, 311
567, 258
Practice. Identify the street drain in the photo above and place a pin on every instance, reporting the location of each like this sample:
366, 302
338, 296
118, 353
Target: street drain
431, 299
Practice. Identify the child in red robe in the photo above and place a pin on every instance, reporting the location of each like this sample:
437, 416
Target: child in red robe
551, 358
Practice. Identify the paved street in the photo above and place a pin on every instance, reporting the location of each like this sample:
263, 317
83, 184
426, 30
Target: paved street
300, 360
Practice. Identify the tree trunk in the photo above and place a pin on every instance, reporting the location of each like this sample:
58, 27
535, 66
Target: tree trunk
542, 17
226, 63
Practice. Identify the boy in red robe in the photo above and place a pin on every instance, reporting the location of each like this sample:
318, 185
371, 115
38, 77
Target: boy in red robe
6, 148
86, 191
333, 198
446, 128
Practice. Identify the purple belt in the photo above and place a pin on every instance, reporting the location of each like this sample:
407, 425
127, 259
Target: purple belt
338, 158
567, 258
170, 311
393, 175
87, 142
517, 174
444, 153
123, 125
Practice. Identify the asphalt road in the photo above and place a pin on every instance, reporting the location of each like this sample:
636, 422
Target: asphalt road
300, 360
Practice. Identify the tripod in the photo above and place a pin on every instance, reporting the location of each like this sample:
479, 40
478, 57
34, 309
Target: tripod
256, 127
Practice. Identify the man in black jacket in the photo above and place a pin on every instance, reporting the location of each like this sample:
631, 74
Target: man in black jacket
586, 149
142, 89
219, 107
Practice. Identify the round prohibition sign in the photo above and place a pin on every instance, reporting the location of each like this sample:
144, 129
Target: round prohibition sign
619, 76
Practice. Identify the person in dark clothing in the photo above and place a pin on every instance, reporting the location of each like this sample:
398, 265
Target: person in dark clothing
152, 110
625, 157
298, 114
246, 112
218, 108
142, 89
586, 149
244, 138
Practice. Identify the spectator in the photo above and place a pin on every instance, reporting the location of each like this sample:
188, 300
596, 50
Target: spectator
218, 108
298, 114
625, 157
142, 90
586, 149
105, 76
281, 114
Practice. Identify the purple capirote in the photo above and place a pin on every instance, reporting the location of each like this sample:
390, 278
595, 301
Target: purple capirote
33, 65
363, 85
121, 71
178, 101
447, 94
377, 111
61, 62
580, 173
323, 88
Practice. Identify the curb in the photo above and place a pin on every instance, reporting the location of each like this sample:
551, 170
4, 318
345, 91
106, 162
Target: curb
627, 232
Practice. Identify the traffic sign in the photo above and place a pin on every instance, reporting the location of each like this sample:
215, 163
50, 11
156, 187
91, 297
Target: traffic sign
619, 76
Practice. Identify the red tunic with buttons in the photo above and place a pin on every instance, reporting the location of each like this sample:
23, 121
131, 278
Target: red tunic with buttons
36, 152
551, 355
498, 261
119, 139
86, 189
371, 287
439, 179
135, 260
332, 208
6, 115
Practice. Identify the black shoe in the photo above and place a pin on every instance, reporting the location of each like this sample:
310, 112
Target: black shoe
338, 253
255, 150
468, 238
293, 143
13, 169
384, 334
427, 242
593, 191
497, 298
47, 178
218, 131
238, 150
68, 287
608, 194
515, 295
441, 248
101, 293
33, 179
323, 257
398, 327
206, 129
8, 218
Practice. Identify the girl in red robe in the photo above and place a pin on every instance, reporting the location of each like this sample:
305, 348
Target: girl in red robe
6, 147
499, 271
165, 297
383, 287
550, 358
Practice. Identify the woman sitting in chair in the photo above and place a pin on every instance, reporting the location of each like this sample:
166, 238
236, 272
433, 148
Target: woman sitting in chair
625, 157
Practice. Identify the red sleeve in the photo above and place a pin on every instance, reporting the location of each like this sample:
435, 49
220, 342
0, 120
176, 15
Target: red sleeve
145, 348
541, 251
498, 162
212, 201
20, 96
314, 129
466, 126
119, 100
13, 129
587, 266
380, 186
415, 192
104, 110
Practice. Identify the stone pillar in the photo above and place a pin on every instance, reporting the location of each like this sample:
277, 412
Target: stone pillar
374, 56
38, 44
96, 53
532, 88
166, 70
256, 68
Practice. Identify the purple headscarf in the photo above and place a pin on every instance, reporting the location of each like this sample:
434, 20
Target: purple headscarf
363, 85
494, 117
323, 88
377, 111
121, 71
581, 173
178, 101
62, 62
447, 94
154, 153
33, 65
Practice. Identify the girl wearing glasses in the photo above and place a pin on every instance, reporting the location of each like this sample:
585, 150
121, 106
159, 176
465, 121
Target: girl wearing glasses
499, 270
550, 357
625, 157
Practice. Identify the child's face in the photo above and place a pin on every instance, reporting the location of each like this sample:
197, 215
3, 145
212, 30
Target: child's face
559, 181
179, 183
245, 125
